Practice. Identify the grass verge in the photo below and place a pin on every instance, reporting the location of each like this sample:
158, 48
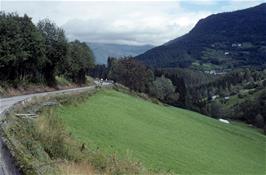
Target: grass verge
42, 145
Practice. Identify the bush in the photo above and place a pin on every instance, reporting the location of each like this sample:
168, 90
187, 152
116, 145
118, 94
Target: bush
163, 88
250, 85
264, 83
242, 95
62, 81
216, 110
252, 91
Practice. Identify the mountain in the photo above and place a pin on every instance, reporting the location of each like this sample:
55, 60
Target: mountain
102, 51
220, 41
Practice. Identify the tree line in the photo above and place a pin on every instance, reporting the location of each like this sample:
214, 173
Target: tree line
37, 53
137, 77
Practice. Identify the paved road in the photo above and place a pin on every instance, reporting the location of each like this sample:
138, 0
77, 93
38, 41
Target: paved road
6, 165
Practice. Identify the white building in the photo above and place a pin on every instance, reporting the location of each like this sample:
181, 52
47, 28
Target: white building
236, 45
226, 98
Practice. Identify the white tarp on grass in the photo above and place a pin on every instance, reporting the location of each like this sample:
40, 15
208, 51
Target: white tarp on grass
224, 121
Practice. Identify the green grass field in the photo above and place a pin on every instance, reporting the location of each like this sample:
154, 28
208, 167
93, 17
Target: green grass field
165, 138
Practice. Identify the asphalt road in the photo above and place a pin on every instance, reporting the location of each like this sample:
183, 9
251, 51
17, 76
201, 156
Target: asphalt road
7, 166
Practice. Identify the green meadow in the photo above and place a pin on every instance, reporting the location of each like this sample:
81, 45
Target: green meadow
163, 137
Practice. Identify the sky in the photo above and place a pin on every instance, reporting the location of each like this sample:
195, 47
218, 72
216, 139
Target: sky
124, 22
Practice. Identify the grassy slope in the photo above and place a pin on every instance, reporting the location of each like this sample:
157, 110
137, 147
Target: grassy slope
165, 137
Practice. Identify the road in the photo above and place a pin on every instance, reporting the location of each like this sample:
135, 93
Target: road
7, 166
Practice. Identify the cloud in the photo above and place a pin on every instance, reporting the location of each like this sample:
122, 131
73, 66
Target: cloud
133, 23
128, 22
240, 4
202, 2
132, 29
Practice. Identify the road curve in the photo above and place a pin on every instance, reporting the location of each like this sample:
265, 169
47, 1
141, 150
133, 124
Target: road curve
7, 166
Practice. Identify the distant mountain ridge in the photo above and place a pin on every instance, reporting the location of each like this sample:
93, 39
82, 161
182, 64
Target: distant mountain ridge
103, 50
224, 40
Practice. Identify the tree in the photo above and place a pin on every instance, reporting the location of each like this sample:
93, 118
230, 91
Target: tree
216, 110
254, 111
21, 49
163, 88
99, 71
130, 73
55, 48
264, 83
259, 121
262, 102
79, 60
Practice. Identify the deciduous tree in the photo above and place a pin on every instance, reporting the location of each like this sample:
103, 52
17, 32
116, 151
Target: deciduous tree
55, 48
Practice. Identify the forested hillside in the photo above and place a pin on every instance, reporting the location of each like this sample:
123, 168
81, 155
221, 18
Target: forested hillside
218, 42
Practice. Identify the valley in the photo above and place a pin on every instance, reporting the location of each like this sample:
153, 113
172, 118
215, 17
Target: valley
122, 88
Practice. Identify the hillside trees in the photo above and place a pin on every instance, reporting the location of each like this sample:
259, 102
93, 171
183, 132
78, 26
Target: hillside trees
130, 73
21, 49
186, 82
55, 48
79, 60
220, 41
138, 77
216, 110
163, 89
254, 111
36, 54
99, 71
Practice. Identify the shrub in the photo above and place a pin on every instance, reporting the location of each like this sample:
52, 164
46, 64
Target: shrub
163, 88
242, 95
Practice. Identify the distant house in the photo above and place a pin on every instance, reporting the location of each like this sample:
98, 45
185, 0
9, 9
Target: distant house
226, 98
236, 45
221, 73
212, 72
215, 72
226, 53
214, 97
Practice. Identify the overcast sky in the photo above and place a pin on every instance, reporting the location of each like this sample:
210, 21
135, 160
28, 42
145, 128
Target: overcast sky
124, 22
